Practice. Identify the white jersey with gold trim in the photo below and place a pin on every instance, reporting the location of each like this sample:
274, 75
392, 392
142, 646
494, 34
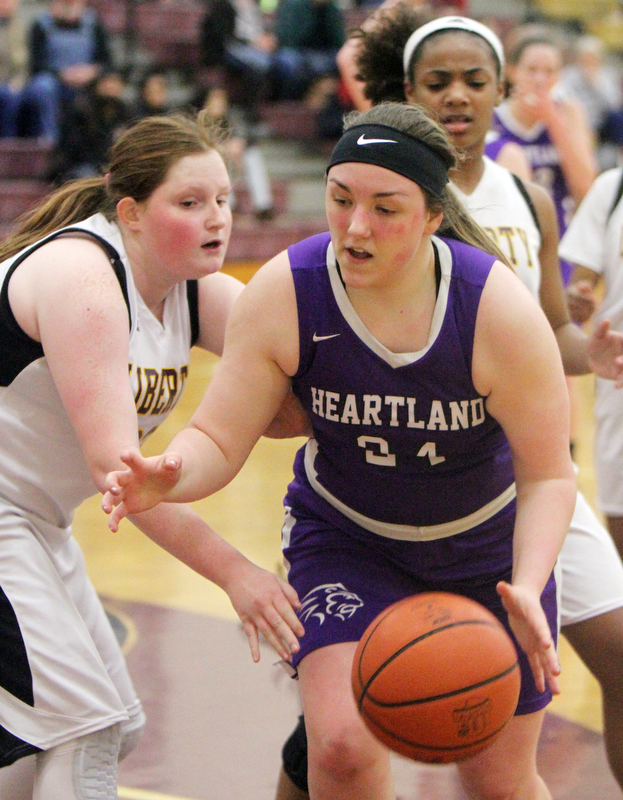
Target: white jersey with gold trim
43, 468
63, 674
498, 206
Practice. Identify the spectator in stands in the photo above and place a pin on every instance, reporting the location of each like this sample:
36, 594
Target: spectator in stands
597, 86
68, 48
13, 61
309, 36
153, 94
233, 36
244, 157
90, 126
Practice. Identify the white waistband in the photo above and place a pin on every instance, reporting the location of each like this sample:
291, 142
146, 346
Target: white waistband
413, 533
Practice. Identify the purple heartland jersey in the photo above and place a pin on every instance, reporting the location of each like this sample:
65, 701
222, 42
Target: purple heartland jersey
545, 163
407, 485
403, 441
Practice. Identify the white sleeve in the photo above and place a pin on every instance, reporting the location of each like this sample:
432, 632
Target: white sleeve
583, 241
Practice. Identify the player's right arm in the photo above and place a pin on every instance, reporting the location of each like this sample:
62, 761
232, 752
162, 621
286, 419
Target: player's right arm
517, 367
66, 296
249, 386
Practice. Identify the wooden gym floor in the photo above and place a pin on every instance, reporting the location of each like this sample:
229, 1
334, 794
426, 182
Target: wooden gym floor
216, 721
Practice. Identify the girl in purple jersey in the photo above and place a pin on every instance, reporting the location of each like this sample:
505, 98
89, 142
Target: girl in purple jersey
416, 373
552, 130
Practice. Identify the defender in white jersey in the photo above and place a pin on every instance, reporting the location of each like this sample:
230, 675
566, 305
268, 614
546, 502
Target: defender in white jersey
453, 66
593, 242
103, 291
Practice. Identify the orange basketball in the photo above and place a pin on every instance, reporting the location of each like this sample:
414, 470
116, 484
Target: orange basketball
436, 677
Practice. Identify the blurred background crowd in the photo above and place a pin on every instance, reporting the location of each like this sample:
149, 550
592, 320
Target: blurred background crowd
74, 72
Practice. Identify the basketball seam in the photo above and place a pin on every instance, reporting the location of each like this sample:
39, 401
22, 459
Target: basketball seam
444, 696
406, 646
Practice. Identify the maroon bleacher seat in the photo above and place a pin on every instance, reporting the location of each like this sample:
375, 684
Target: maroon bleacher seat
18, 196
252, 240
24, 158
279, 190
112, 13
170, 31
290, 119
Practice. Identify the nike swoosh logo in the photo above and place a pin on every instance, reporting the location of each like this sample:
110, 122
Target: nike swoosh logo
362, 140
317, 338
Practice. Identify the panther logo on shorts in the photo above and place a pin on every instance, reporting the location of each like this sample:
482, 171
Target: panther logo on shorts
329, 600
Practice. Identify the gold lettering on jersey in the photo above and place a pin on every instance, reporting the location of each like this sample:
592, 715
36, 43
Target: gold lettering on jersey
511, 239
508, 234
396, 411
157, 390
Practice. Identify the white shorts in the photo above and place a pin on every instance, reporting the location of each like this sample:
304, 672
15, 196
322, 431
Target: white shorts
592, 572
608, 449
72, 678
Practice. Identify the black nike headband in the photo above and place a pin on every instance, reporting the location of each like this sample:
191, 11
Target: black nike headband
384, 146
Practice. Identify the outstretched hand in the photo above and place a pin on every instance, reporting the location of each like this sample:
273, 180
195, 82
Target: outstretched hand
605, 353
529, 624
265, 604
141, 486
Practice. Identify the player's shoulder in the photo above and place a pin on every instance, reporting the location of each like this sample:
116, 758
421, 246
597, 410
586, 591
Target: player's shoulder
75, 257
608, 180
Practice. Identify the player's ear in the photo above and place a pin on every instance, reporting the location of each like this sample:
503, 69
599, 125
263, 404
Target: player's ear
409, 92
129, 212
435, 219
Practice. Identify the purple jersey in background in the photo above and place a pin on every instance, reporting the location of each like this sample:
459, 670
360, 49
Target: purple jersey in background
544, 161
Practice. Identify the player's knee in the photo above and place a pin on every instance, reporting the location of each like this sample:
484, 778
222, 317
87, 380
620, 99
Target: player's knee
345, 751
95, 764
490, 785
81, 769
131, 732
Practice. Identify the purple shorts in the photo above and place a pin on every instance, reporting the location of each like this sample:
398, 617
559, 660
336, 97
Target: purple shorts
345, 576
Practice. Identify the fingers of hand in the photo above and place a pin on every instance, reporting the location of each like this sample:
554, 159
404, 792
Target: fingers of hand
537, 671
108, 502
254, 644
132, 458
116, 516
280, 629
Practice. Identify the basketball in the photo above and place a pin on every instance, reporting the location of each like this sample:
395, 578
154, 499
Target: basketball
436, 677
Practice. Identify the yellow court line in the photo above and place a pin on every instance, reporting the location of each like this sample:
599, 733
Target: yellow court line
124, 793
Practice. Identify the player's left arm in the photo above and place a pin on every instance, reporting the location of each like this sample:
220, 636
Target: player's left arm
574, 141
217, 296
264, 602
517, 367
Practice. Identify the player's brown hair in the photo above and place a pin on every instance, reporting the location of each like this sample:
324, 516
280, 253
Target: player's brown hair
413, 120
139, 162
